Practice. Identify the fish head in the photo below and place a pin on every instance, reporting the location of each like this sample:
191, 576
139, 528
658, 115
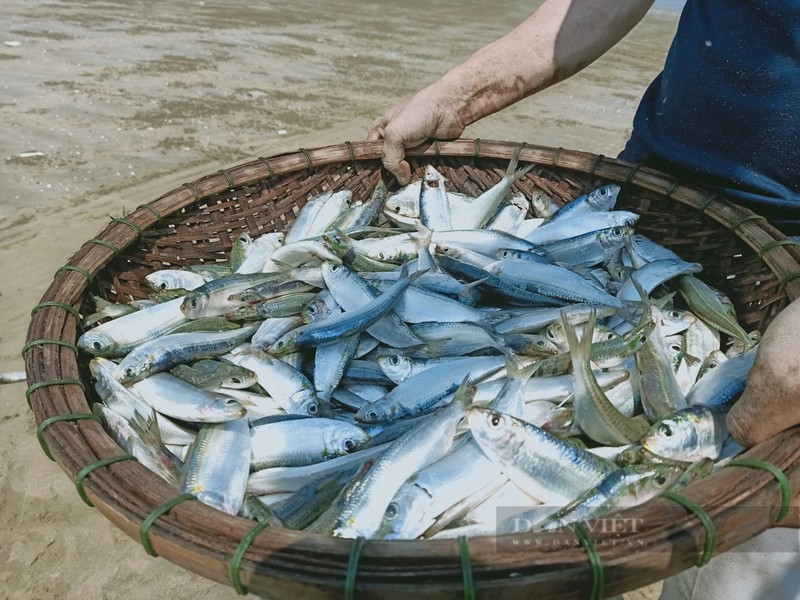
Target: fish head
240, 380
396, 366
614, 237
307, 404
496, 430
432, 178
555, 334
98, 344
376, 412
160, 281
221, 409
134, 370
406, 515
344, 440
334, 274
675, 320
560, 421
193, 305
651, 480
286, 344
101, 367
604, 198
673, 437
508, 253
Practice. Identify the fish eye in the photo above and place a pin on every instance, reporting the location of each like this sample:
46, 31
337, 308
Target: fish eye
129, 372
372, 415
505, 254
391, 512
495, 420
97, 345
193, 303
163, 285
665, 430
312, 409
334, 268
616, 232
280, 344
397, 208
230, 402
642, 339
541, 343
236, 380
675, 347
349, 445
660, 479
381, 255
394, 360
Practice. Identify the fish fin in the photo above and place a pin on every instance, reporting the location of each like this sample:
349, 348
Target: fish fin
511, 171
691, 360
147, 428
579, 348
465, 394
499, 341
495, 317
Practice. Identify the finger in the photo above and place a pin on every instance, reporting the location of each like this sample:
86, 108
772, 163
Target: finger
378, 130
393, 160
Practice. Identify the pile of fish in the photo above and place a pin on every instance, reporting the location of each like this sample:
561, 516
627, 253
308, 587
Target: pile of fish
400, 366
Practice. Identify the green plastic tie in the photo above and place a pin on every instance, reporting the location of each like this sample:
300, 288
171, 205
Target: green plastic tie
790, 277
776, 244
236, 561
129, 223
195, 193
269, 166
108, 245
741, 221
351, 151
352, 569
477, 147
43, 341
466, 568
783, 480
437, 151
56, 419
67, 307
82, 271
594, 560
707, 202
159, 511
308, 158
228, 177
708, 524
157, 214
43, 384
633, 172
675, 184
85, 471
596, 164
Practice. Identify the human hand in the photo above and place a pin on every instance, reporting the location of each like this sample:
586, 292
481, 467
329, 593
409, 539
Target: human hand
771, 401
427, 114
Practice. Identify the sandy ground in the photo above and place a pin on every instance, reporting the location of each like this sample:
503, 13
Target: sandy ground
107, 105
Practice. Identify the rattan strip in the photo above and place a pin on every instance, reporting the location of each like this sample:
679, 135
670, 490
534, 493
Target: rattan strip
87, 470
49, 341
108, 245
55, 303
144, 528
81, 270
596, 564
708, 524
43, 384
57, 419
352, 569
236, 560
780, 476
466, 568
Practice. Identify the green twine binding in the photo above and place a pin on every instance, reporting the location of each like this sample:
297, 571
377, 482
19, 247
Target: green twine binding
42, 384
129, 223
308, 158
594, 560
85, 471
707, 202
436, 151
675, 184
108, 245
82, 271
195, 193
144, 536
466, 568
783, 480
708, 524
776, 244
236, 561
65, 417
269, 166
632, 172
228, 177
741, 221
43, 341
67, 307
352, 569
477, 147
557, 156
156, 214
596, 164
790, 277
351, 151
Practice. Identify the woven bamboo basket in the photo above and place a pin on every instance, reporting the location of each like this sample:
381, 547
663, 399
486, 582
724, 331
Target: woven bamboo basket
742, 255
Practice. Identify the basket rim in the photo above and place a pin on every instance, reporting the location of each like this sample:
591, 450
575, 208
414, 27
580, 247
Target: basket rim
69, 447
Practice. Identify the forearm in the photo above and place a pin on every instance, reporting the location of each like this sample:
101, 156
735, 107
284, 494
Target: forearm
558, 40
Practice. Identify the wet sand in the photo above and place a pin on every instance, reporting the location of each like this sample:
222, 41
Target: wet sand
107, 105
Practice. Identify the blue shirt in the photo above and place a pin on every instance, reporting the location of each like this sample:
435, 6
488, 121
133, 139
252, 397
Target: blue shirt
725, 111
